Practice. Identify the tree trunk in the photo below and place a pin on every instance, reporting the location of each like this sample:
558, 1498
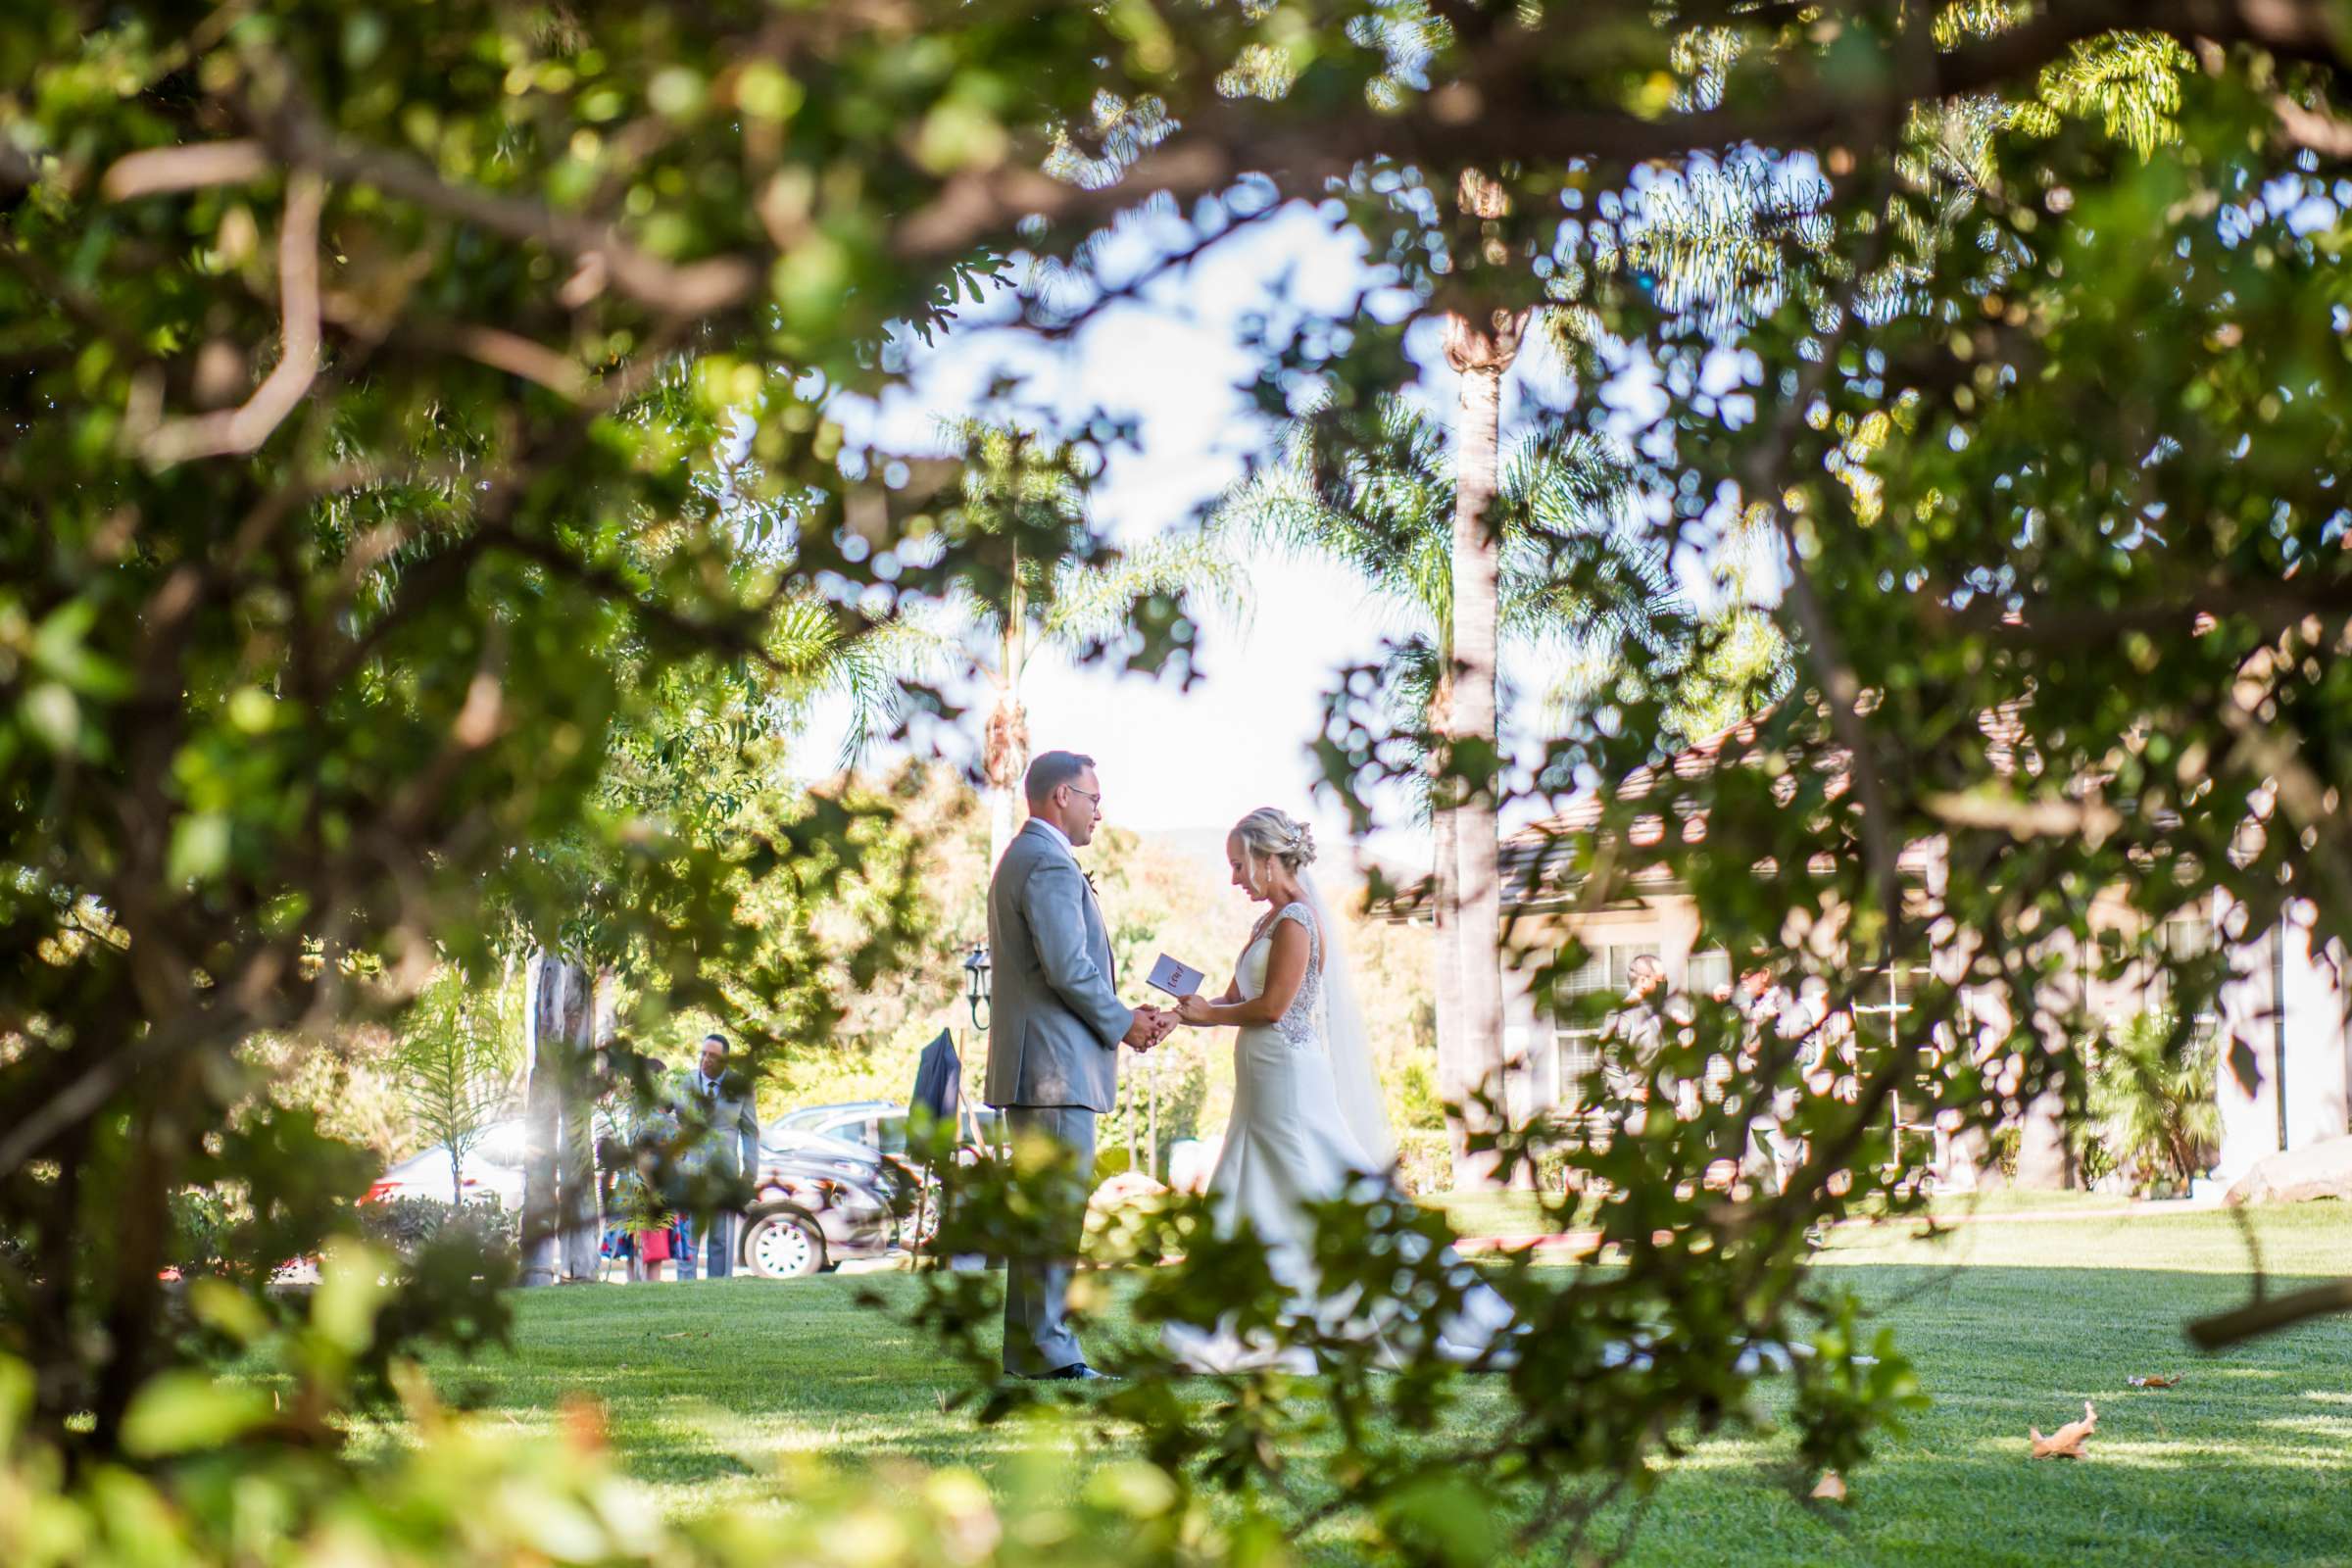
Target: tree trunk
1480, 355
1004, 750
578, 1197
1006, 760
1456, 1072
558, 1177
541, 1121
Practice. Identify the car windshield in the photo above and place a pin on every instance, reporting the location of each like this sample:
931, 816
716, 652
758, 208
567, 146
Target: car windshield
810, 1120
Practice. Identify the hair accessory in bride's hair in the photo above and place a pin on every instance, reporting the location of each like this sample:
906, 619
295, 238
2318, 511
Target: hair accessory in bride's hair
1278, 835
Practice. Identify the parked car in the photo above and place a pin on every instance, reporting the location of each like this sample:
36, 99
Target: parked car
820, 1202
493, 1172
819, 1199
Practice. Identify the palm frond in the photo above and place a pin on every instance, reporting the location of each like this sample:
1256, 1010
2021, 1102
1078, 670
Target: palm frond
1095, 603
1371, 493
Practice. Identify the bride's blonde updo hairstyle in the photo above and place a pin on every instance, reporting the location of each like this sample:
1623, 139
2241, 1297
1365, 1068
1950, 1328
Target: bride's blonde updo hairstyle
1267, 834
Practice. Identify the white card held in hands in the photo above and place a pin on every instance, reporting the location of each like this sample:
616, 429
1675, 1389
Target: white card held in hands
1176, 979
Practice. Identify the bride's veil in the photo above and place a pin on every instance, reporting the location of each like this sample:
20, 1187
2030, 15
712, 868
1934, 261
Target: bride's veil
1362, 1111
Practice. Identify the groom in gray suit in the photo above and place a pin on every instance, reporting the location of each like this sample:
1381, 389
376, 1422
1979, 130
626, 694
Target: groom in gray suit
1054, 1028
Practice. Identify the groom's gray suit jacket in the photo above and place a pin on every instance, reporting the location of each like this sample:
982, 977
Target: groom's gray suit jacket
1054, 1023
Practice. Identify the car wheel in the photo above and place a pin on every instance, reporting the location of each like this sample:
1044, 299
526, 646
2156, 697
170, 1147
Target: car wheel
783, 1243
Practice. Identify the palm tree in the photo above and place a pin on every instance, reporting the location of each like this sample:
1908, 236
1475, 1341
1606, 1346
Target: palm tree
1466, 714
1482, 343
1383, 496
2152, 1089
989, 640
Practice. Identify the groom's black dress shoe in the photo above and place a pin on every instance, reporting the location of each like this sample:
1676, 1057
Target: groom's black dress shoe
1075, 1372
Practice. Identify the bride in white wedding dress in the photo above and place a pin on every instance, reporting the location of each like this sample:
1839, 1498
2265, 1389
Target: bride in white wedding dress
1307, 1123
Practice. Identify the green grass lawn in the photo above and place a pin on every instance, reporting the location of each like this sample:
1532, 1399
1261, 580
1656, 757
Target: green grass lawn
1521, 1214
2012, 1324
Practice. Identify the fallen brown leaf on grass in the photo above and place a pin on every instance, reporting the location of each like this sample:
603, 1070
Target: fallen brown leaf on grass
2067, 1441
2155, 1381
1831, 1488
582, 1417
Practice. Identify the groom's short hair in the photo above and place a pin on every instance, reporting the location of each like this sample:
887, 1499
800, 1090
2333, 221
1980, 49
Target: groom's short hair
1051, 771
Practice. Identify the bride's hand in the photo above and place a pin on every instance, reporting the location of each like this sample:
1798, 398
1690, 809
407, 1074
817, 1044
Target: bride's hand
1193, 1009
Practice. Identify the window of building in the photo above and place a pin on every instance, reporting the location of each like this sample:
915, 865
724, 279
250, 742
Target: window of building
1708, 973
1884, 995
2180, 938
2186, 936
1577, 1051
1884, 998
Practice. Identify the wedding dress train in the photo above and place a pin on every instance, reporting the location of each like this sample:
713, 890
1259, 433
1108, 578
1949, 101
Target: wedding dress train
1304, 1131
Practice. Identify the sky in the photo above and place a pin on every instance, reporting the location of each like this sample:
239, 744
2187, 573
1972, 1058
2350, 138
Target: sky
1177, 759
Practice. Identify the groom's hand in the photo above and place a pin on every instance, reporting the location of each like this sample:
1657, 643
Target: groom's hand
1150, 1026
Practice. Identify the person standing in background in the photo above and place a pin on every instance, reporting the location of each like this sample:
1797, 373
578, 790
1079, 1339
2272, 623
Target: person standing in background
715, 1103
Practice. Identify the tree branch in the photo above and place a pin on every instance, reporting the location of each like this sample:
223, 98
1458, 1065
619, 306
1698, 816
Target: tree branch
1521, 121
2055, 624
2268, 1314
2316, 129
158, 171
246, 428
301, 139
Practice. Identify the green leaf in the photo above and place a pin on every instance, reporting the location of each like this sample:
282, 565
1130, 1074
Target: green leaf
50, 711
199, 847
1446, 1515
61, 647
15, 1400
1137, 1489
218, 1304
352, 1289
179, 1412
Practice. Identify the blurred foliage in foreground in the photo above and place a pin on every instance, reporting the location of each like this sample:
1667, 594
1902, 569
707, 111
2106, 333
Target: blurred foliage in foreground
430, 468
219, 1472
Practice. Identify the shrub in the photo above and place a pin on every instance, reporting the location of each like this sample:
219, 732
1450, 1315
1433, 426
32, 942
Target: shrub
1424, 1159
2152, 1092
1412, 1091
405, 1224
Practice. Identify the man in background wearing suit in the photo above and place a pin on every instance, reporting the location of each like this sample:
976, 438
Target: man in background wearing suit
1054, 1029
725, 1152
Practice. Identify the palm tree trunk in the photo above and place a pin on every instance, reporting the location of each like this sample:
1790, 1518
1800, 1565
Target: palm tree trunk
1005, 752
1480, 355
1456, 1072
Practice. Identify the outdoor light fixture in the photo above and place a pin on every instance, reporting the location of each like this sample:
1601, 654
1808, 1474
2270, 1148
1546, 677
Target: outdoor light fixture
975, 984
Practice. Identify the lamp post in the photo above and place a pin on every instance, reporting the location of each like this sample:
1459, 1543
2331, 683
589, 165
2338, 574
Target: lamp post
975, 983
975, 995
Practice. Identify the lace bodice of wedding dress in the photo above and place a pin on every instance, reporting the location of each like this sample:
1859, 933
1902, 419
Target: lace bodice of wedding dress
1301, 1022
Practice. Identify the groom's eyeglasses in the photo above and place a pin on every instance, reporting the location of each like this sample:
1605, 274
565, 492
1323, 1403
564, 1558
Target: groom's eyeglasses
1092, 799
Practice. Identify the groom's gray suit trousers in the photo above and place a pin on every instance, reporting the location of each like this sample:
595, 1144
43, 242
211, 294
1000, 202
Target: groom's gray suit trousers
1037, 1338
